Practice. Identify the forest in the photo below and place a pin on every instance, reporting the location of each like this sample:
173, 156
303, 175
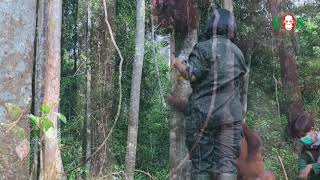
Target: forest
85, 84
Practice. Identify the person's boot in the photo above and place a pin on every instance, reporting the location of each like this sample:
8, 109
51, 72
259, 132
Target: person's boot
225, 176
200, 177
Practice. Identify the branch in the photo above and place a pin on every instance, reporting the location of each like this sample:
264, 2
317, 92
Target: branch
284, 170
146, 173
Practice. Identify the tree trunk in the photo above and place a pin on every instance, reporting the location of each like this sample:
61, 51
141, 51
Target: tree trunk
88, 89
135, 91
17, 29
228, 4
41, 57
51, 157
102, 94
288, 66
179, 164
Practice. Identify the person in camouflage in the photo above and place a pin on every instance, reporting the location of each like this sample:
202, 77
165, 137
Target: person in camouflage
214, 112
309, 157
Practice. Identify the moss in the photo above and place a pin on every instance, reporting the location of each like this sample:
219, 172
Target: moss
13, 110
18, 133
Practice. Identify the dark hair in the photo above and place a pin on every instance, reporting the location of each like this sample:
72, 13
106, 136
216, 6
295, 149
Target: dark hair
303, 123
222, 22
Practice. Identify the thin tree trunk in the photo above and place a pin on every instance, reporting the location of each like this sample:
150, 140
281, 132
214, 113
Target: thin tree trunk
248, 48
135, 91
245, 83
52, 163
228, 4
17, 29
41, 57
88, 89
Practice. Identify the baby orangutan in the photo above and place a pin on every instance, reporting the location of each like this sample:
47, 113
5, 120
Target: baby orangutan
250, 163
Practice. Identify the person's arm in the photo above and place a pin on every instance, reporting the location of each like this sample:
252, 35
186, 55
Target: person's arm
195, 69
316, 168
305, 168
182, 68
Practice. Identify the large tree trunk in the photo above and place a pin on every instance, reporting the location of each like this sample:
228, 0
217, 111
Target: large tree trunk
17, 29
51, 157
135, 91
102, 93
288, 66
179, 164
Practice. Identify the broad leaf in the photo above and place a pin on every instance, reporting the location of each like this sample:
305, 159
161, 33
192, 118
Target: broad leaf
34, 119
47, 124
45, 108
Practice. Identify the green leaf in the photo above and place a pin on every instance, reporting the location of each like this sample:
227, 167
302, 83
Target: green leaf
62, 118
45, 108
34, 119
47, 124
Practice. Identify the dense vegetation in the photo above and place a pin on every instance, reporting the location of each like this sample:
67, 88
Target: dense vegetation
267, 106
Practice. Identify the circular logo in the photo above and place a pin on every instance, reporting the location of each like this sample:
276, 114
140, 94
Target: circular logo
288, 22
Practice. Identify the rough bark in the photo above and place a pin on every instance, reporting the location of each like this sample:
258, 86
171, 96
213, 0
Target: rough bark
51, 157
135, 91
17, 29
288, 66
41, 56
102, 94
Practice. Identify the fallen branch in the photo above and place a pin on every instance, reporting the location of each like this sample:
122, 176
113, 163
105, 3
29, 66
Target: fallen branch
284, 170
146, 173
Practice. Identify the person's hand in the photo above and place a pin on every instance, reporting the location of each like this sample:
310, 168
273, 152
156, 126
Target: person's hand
304, 174
178, 64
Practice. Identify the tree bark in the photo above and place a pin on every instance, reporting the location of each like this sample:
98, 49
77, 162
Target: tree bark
17, 29
182, 89
51, 157
41, 58
102, 94
228, 4
88, 89
135, 91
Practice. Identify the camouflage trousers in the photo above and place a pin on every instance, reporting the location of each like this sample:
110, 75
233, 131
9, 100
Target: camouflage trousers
213, 150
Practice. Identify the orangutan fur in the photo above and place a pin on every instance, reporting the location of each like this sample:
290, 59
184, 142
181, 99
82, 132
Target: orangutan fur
250, 163
178, 14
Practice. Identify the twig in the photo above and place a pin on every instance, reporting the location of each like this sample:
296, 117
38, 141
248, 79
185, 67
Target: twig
284, 170
275, 80
120, 85
277, 98
120, 173
146, 173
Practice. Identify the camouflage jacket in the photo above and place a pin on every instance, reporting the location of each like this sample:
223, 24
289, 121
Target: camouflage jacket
218, 66
306, 157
